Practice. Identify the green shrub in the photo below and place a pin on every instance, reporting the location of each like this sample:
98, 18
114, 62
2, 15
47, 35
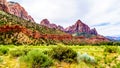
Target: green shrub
36, 59
111, 49
118, 65
85, 58
17, 52
4, 50
63, 53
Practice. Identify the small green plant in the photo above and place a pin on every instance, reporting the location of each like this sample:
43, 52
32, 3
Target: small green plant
111, 49
3, 50
37, 59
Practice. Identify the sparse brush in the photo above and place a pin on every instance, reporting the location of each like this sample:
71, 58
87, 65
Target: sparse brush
37, 59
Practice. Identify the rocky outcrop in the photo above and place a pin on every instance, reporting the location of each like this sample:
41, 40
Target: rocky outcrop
79, 27
46, 23
15, 9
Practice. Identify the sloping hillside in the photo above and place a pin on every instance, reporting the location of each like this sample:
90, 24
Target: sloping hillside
9, 19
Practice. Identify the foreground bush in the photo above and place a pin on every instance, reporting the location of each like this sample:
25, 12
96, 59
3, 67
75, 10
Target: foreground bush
3, 50
36, 59
63, 53
111, 49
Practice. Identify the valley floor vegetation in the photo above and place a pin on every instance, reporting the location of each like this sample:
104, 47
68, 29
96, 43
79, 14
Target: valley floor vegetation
59, 56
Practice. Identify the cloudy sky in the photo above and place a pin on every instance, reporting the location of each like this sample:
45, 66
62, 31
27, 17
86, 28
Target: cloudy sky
104, 15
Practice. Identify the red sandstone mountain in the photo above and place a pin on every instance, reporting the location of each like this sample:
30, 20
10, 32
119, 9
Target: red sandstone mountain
78, 27
15, 8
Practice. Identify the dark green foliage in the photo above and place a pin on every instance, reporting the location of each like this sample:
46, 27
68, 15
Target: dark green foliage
111, 49
36, 59
4, 50
63, 53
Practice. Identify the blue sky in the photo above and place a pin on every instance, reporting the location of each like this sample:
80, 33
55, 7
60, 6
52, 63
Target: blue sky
104, 15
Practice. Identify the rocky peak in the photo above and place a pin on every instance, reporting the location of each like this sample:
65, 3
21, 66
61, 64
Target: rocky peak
93, 31
79, 22
61, 28
15, 9
46, 23
79, 26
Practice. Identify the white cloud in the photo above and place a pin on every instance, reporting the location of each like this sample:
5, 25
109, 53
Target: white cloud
66, 12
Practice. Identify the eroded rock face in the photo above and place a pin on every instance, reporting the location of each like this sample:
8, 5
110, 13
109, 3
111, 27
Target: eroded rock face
16, 9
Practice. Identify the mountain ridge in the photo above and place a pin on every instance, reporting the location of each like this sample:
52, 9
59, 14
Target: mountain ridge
19, 30
78, 27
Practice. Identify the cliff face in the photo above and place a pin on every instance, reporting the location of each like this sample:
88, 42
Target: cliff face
16, 9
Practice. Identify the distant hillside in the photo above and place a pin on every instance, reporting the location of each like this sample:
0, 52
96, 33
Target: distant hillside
113, 38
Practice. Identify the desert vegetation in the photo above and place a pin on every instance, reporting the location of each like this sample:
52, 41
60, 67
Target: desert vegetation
56, 56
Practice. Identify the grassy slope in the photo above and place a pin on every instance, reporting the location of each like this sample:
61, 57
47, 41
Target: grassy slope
96, 51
